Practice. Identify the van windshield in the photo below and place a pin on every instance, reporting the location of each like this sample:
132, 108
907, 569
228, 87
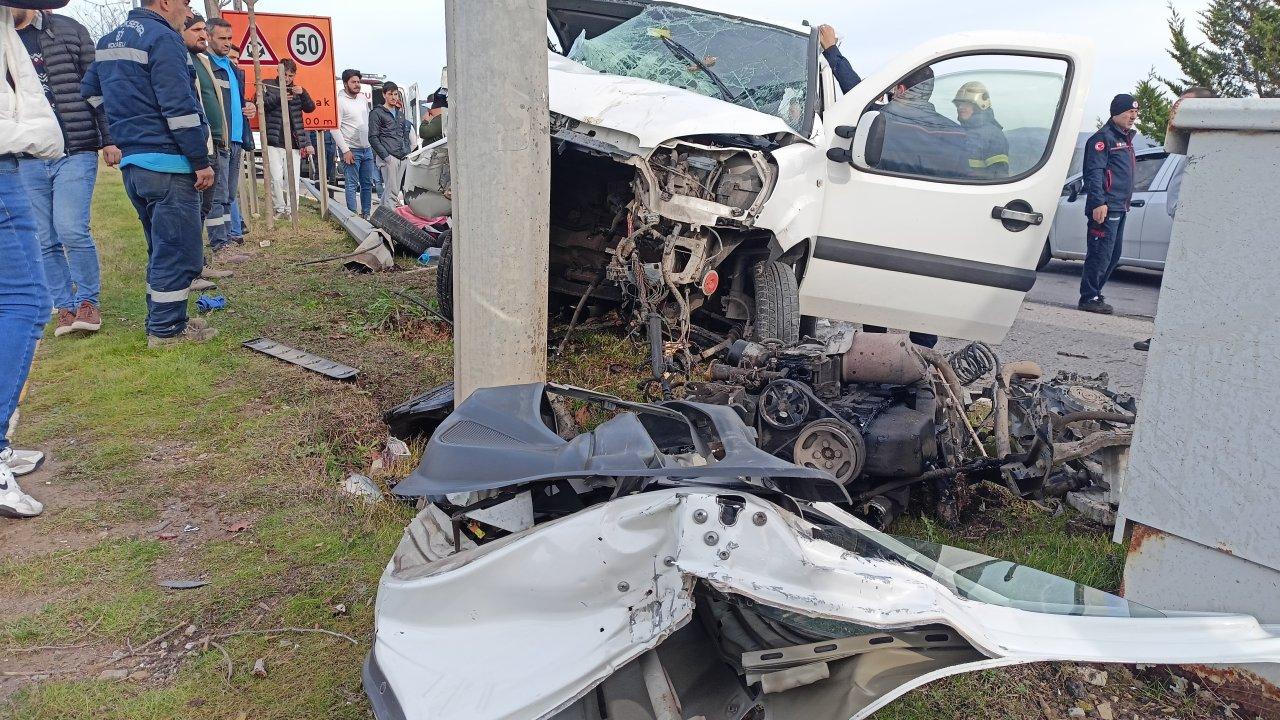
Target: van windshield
755, 66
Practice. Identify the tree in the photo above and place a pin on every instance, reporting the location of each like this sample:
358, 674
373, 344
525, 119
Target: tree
1241, 53
1154, 107
101, 16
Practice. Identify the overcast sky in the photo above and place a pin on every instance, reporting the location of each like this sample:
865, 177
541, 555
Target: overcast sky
404, 39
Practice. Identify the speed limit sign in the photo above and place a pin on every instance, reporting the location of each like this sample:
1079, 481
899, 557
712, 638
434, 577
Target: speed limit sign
307, 44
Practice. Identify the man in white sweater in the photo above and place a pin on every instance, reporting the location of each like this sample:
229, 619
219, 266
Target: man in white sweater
352, 139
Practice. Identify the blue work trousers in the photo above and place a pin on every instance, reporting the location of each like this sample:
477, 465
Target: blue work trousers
169, 207
1102, 254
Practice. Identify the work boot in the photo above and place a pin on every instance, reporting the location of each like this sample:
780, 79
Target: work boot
200, 285
66, 322
88, 318
214, 274
24, 462
197, 331
1143, 345
14, 503
227, 255
1095, 305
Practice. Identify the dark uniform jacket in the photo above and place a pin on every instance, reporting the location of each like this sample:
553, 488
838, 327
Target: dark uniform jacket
919, 141
1109, 167
68, 52
145, 75
300, 103
987, 144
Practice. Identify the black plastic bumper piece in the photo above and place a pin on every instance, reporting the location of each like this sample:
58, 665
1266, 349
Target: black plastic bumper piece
386, 706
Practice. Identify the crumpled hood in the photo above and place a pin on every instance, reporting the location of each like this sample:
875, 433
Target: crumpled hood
652, 112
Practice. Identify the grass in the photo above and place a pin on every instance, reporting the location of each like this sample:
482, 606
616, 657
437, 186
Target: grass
146, 441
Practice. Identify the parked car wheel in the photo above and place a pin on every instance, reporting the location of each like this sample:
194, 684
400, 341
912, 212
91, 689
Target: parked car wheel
777, 303
444, 275
1045, 256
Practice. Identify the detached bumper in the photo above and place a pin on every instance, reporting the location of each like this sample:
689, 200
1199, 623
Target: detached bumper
386, 706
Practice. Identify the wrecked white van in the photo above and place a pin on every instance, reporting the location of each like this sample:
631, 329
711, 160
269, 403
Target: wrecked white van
708, 168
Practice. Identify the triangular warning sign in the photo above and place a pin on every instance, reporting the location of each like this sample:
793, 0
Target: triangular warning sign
259, 48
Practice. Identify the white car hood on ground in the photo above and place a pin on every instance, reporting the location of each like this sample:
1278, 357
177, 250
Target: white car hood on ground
650, 111
524, 626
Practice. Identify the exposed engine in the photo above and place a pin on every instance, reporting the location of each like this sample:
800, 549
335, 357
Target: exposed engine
863, 407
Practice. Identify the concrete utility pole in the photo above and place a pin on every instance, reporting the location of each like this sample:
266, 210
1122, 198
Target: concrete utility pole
500, 155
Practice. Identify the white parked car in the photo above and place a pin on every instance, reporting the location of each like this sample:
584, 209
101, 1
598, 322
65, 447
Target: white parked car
709, 167
1147, 230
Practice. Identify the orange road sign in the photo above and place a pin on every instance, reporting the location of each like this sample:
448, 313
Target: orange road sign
308, 41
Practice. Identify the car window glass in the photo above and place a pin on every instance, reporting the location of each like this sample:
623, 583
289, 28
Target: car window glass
756, 66
981, 118
1148, 168
985, 579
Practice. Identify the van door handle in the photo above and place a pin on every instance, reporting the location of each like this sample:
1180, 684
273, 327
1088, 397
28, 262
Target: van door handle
1016, 215
1138, 203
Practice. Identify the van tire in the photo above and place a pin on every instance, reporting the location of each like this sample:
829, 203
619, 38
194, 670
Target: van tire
444, 275
777, 303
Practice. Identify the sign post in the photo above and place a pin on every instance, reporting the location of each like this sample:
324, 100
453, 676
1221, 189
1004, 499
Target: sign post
268, 38
286, 134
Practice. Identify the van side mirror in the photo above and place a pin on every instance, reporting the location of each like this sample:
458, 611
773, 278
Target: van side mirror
866, 142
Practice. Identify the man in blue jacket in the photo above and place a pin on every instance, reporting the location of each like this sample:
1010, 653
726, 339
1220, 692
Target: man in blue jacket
144, 78
1109, 166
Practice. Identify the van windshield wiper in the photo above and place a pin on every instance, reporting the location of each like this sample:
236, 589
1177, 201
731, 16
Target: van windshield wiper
684, 53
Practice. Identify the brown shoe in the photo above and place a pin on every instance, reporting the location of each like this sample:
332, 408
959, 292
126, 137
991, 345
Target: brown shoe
88, 318
197, 331
66, 322
200, 285
213, 274
228, 256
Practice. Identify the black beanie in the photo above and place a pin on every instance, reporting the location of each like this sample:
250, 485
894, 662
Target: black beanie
1123, 103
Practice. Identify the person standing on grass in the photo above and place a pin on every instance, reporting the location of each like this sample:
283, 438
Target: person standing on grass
146, 78
230, 79
61, 189
1109, 169
352, 139
389, 136
212, 212
28, 127
299, 102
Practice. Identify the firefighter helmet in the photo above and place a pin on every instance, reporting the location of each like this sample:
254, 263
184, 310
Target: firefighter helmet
976, 93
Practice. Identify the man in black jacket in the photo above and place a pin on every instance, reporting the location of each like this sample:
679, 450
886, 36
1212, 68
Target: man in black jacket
61, 190
389, 136
299, 102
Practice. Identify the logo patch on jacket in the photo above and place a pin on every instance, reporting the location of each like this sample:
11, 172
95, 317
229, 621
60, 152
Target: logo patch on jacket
1100, 146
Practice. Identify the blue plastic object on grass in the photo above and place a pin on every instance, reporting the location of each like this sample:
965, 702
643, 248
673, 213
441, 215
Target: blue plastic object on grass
430, 257
209, 303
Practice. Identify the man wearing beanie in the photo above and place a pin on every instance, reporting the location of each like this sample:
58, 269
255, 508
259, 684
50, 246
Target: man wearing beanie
1109, 166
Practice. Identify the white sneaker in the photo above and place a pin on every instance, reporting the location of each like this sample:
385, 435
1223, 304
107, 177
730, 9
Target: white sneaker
25, 462
13, 502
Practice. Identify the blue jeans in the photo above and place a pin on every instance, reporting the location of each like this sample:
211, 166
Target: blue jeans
1105, 246
235, 226
61, 193
214, 208
359, 175
24, 303
169, 207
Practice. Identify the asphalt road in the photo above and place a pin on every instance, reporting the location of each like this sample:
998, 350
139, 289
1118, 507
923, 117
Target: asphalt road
1050, 331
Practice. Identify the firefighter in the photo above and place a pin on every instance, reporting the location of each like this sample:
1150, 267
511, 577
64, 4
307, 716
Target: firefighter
984, 136
1109, 166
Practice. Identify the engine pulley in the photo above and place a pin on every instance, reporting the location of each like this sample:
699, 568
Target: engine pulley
832, 446
784, 404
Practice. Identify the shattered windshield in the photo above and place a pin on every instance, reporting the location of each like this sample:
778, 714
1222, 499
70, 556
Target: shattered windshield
989, 580
756, 66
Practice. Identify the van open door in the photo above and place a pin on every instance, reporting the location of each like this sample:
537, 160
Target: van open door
944, 173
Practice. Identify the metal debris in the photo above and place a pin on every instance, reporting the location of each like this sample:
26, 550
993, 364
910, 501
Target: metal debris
303, 359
